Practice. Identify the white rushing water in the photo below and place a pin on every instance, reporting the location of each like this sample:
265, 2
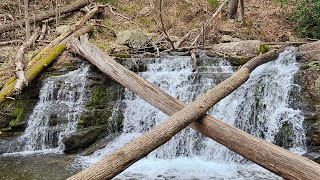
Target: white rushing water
260, 107
61, 100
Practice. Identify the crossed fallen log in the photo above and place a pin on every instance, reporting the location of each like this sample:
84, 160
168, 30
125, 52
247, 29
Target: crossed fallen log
278, 160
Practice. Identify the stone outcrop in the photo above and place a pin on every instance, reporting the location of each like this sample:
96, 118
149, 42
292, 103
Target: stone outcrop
81, 139
308, 97
238, 53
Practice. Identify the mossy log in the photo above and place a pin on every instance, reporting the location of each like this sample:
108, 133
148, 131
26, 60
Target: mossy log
33, 71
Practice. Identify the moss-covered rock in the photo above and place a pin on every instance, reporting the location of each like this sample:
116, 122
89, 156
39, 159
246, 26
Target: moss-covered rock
103, 106
82, 139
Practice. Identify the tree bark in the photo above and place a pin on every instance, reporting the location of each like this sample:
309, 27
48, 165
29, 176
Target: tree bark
272, 157
241, 16
72, 7
21, 79
233, 9
26, 19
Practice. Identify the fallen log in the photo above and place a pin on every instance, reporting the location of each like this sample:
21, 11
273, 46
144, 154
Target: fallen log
19, 62
267, 155
64, 35
33, 70
40, 17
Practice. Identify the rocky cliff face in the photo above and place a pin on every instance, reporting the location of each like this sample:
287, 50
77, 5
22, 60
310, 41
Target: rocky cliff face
308, 97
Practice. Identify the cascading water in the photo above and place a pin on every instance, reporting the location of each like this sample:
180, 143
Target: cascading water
260, 107
56, 114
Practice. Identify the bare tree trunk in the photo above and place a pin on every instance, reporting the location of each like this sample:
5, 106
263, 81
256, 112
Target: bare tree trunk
72, 7
26, 19
21, 79
241, 16
233, 9
272, 157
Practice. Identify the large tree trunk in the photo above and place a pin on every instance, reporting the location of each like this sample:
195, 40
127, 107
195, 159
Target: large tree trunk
40, 17
272, 157
233, 9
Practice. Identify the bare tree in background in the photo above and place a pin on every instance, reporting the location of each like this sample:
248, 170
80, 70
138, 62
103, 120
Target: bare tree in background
233, 9
26, 18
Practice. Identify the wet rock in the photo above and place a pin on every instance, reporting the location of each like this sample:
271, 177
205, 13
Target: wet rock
313, 156
102, 143
81, 139
307, 99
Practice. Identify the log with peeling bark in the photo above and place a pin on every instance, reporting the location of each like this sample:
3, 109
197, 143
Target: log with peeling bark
40, 17
267, 155
8, 89
18, 61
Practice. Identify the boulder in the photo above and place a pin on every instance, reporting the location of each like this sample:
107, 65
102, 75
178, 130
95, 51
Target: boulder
82, 139
310, 46
134, 38
226, 38
248, 48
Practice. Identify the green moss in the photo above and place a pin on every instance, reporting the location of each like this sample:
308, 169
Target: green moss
113, 2
18, 112
121, 55
263, 49
101, 105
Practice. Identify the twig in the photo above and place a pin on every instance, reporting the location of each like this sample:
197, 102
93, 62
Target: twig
163, 28
118, 14
17, 41
178, 44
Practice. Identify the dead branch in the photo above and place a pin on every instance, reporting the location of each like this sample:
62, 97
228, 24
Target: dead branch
5, 43
209, 22
21, 79
178, 43
118, 14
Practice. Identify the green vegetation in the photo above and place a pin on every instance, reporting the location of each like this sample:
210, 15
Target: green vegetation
307, 17
107, 1
213, 3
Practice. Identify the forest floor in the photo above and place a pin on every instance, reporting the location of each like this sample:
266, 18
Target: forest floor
266, 20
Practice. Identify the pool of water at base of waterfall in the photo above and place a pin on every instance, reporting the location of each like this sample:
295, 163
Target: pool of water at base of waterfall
60, 166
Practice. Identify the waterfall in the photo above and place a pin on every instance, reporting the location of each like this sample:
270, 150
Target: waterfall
61, 101
260, 107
